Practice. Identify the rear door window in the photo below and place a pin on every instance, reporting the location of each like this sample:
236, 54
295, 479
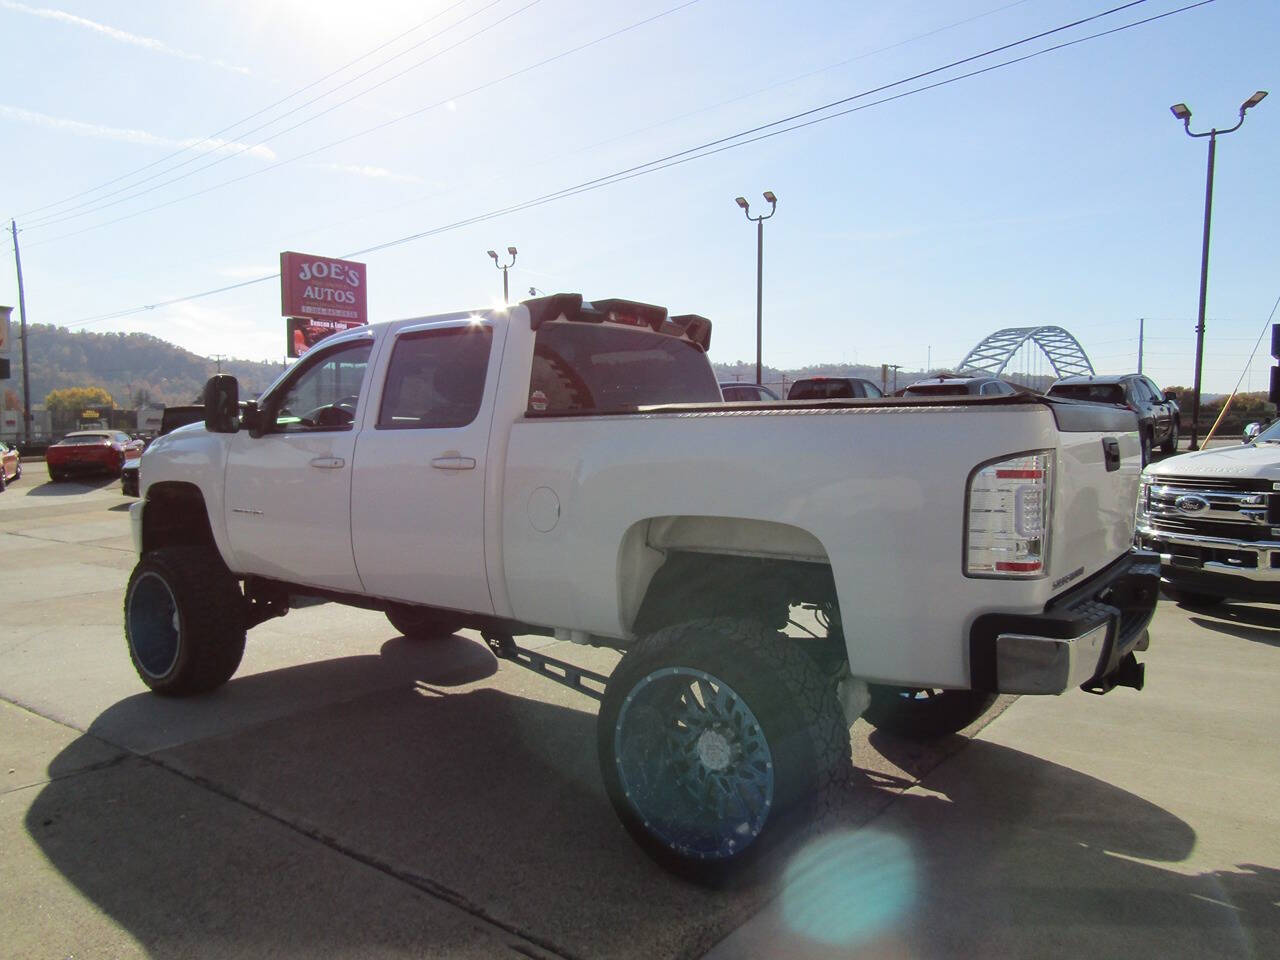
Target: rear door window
436, 378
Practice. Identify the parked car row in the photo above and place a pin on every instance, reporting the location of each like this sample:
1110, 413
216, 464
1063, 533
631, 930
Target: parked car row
1159, 418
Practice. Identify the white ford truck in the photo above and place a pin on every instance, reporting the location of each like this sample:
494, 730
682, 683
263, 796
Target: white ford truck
569, 468
1213, 517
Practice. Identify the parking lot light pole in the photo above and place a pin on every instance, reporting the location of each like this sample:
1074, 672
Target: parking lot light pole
511, 250
759, 221
1182, 112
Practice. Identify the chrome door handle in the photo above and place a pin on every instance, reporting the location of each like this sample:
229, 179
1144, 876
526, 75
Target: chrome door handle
454, 463
329, 463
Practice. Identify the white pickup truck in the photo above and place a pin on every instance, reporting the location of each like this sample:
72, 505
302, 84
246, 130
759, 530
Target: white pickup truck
1213, 517
568, 468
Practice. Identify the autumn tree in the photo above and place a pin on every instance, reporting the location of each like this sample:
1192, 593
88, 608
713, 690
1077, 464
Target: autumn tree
71, 400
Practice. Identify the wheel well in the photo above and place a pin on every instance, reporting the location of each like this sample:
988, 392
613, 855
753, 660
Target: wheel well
175, 516
690, 585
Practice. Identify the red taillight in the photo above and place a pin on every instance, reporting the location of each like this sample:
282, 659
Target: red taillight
1011, 566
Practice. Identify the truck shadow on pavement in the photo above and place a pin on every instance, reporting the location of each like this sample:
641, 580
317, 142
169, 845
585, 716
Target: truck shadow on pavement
1234, 623
1004, 854
70, 488
343, 824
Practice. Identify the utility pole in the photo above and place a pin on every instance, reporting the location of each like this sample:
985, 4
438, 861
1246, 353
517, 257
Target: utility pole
1140, 335
22, 318
218, 358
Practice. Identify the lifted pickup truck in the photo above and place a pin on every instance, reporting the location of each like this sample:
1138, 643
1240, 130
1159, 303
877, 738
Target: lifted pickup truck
568, 468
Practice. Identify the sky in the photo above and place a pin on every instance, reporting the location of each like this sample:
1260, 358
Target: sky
153, 151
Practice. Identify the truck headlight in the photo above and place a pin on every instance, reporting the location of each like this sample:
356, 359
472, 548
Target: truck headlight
1007, 516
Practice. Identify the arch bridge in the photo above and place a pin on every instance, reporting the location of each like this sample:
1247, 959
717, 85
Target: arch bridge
994, 352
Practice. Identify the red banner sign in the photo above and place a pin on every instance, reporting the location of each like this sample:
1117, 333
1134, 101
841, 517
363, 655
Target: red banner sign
320, 288
303, 334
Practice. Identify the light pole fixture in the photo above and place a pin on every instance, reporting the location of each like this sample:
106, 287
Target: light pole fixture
1182, 112
504, 269
759, 222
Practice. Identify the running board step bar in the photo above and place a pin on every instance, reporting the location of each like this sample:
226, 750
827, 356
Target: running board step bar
504, 647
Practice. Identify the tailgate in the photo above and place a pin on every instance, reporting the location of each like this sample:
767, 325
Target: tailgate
1096, 490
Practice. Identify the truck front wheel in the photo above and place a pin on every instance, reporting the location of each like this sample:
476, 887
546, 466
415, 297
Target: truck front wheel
184, 620
710, 733
924, 714
421, 623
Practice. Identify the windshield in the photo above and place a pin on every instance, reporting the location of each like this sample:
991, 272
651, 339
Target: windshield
586, 367
1269, 435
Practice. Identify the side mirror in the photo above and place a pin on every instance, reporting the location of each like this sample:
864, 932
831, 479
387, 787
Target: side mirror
1251, 431
1171, 395
222, 404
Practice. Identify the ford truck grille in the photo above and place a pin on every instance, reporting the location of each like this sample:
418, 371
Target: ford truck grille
1235, 509
1220, 525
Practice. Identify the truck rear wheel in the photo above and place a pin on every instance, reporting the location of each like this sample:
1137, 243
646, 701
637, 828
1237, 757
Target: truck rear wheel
184, 620
422, 623
924, 713
711, 732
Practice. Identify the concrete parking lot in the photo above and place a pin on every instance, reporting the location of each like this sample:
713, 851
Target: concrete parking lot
351, 793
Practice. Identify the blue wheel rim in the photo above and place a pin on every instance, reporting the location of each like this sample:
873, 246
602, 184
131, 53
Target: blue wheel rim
694, 763
154, 632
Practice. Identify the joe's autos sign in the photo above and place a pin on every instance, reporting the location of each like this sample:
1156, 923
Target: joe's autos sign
320, 296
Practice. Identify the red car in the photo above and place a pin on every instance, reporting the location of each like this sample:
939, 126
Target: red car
90, 451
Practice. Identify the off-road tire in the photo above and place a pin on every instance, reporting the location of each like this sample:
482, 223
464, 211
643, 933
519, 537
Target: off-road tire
184, 620
924, 714
646, 727
1144, 439
1170, 445
422, 623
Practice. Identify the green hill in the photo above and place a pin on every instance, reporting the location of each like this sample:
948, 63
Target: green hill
132, 367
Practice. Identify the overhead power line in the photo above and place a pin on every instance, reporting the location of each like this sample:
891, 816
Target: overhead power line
720, 145
285, 99
572, 50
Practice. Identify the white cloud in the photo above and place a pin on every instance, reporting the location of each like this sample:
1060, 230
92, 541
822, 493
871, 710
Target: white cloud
121, 36
231, 330
364, 170
100, 132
